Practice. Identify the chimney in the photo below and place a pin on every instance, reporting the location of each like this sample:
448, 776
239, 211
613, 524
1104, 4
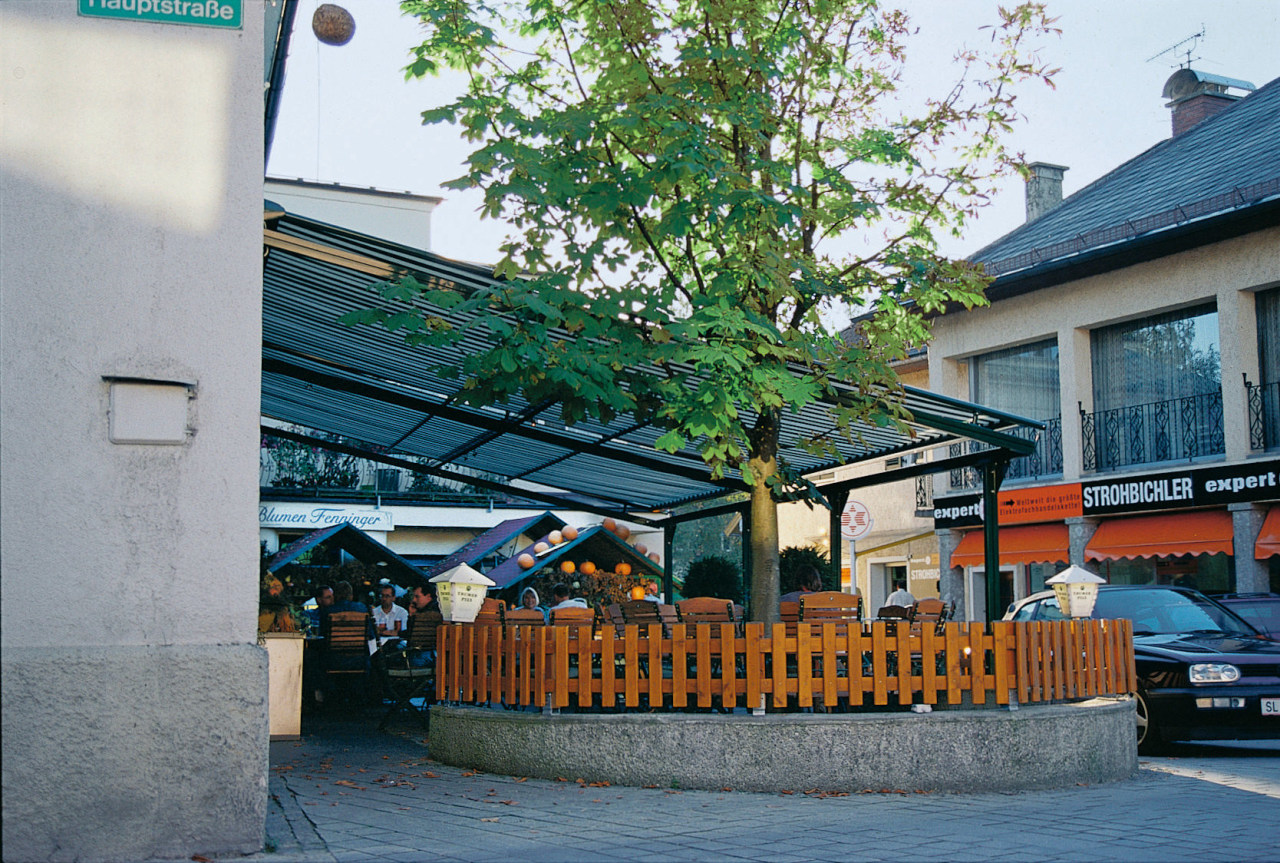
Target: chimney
1197, 96
1044, 188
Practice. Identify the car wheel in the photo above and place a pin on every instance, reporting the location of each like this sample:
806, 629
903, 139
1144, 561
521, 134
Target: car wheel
1148, 733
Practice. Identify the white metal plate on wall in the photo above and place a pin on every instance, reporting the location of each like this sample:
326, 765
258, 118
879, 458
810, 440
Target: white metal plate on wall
149, 412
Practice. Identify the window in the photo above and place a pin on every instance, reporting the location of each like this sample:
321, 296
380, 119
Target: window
1157, 390
1268, 392
1021, 380
1024, 381
1157, 359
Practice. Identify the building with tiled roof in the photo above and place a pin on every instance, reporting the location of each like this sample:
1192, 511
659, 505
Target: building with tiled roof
1139, 318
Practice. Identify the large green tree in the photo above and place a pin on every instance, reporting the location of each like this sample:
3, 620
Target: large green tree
701, 190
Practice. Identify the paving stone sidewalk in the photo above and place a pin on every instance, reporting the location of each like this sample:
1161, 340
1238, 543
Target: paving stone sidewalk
348, 793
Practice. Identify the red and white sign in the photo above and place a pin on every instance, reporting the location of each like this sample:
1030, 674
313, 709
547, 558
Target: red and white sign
855, 521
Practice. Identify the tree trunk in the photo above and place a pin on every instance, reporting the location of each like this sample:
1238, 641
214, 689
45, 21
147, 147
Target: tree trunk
764, 521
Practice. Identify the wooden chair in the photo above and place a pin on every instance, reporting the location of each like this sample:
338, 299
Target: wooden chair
491, 611
706, 609
894, 612
642, 611
346, 652
410, 673
830, 605
930, 612
524, 617
577, 616
789, 613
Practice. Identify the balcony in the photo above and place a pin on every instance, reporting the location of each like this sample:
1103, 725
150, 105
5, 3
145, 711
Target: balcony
1045, 462
1264, 414
1180, 429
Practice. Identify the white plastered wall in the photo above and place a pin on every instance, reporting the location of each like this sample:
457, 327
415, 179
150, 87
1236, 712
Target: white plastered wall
130, 248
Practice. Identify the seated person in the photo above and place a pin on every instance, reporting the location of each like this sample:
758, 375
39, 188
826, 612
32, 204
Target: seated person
423, 598
560, 595
809, 582
389, 618
529, 600
317, 604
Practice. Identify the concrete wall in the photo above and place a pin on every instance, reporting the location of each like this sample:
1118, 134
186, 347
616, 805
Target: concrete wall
134, 714
1041, 746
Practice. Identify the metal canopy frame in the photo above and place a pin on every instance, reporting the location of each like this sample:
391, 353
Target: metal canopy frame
366, 384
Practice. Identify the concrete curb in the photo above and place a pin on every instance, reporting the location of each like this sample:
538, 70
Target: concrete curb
1040, 746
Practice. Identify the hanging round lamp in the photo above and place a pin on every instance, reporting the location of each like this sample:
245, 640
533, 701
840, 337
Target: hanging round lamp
332, 24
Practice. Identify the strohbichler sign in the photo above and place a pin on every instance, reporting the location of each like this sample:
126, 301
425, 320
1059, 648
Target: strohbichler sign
200, 13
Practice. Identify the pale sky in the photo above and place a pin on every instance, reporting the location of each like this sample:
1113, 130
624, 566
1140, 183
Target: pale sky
348, 115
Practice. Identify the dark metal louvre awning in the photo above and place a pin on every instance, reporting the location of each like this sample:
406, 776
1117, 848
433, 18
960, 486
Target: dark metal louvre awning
369, 385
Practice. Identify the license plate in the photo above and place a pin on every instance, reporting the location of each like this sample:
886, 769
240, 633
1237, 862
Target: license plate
1271, 707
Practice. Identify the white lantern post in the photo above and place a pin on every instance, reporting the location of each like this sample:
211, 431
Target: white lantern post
1076, 589
460, 592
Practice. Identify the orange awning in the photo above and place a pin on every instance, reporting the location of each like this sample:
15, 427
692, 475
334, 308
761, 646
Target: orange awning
1028, 543
1268, 544
1167, 535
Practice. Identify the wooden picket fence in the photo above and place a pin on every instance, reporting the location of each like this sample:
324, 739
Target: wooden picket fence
784, 666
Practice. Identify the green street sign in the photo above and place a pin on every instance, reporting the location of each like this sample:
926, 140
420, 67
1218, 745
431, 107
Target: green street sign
201, 13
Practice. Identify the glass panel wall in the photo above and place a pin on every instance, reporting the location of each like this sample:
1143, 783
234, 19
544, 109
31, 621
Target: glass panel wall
1157, 390
1024, 381
1268, 312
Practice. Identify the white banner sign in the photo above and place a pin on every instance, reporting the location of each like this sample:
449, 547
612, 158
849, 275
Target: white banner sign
312, 517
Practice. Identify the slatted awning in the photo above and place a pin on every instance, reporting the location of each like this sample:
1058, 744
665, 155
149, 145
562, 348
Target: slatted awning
369, 385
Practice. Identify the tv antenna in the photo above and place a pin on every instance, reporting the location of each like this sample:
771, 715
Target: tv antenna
1177, 48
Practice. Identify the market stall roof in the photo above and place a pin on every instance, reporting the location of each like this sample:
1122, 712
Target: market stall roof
367, 384
595, 543
359, 545
495, 537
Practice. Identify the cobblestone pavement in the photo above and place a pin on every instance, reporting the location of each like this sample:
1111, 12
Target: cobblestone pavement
347, 793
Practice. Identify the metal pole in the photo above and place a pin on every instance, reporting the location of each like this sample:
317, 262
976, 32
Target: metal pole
992, 476
668, 572
837, 500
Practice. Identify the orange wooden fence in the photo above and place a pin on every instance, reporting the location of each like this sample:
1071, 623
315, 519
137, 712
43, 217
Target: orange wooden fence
720, 665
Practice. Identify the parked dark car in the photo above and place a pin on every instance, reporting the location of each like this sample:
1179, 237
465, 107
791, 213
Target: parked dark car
1260, 609
1203, 672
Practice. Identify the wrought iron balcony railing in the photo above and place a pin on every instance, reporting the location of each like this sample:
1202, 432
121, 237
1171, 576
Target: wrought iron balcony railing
1264, 414
1046, 461
1178, 429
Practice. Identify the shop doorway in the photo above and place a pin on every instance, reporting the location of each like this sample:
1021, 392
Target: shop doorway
880, 585
975, 592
